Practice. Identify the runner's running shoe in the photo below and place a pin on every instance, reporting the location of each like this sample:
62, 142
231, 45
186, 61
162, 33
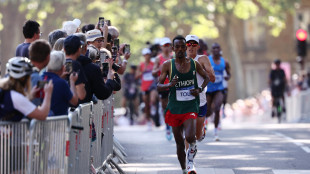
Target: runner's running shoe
216, 138
191, 168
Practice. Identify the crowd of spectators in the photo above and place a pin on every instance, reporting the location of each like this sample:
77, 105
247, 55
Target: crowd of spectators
46, 78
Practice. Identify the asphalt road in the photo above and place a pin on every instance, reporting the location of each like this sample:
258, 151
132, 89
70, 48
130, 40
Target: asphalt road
243, 149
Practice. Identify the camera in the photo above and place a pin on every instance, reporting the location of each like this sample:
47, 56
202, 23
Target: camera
68, 66
101, 22
40, 84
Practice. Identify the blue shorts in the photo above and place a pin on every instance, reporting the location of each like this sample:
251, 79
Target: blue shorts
202, 111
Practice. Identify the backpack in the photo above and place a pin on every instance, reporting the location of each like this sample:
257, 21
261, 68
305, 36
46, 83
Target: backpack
9, 116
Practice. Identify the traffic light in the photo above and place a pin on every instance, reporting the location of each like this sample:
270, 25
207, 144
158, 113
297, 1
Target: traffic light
301, 36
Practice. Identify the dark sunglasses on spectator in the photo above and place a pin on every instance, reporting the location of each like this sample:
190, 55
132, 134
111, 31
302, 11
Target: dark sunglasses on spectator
167, 45
191, 44
98, 41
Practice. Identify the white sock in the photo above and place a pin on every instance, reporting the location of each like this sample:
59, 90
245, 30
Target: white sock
184, 171
191, 151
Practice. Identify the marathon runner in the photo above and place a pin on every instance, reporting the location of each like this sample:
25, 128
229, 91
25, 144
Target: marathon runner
183, 102
166, 54
215, 90
148, 87
192, 43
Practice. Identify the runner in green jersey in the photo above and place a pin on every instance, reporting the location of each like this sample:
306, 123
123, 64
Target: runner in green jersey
183, 104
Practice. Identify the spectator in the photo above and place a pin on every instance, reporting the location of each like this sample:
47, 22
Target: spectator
94, 39
39, 53
31, 31
72, 47
62, 93
14, 89
71, 27
88, 27
95, 85
130, 92
55, 35
59, 44
114, 32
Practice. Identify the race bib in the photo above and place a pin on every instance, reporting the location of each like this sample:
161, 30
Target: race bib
184, 94
218, 78
147, 76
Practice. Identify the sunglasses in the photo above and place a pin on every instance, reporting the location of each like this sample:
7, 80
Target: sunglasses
167, 45
192, 44
98, 41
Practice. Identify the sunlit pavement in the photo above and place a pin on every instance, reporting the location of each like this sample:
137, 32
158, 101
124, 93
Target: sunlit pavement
244, 149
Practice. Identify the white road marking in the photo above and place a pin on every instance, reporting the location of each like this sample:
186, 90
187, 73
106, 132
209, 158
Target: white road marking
301, 145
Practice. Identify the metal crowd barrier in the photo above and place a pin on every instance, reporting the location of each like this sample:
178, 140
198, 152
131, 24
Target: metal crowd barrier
82, 142
298, 106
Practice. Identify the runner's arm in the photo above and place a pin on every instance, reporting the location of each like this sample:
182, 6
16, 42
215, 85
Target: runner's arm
227, 68
205, 62
165, 71
156, 67
204, 75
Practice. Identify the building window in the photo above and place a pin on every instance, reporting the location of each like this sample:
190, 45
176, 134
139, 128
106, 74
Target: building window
254, 34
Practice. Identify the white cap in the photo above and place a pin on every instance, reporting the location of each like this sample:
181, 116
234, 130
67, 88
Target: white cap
146, 51
92, 35
77, 22
192, 37
70, 27
165, 40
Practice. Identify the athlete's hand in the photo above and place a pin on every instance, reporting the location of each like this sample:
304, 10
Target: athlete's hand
195, 92
174, 81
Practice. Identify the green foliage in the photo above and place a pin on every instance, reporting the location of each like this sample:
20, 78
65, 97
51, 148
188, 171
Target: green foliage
143, 20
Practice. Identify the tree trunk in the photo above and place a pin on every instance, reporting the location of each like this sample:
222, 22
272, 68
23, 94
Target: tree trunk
236, 65
11, 35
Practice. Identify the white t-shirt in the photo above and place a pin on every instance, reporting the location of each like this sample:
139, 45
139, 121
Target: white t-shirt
224, 81
21, 103
202, 95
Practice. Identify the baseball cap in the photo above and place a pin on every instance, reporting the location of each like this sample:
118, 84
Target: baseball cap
72, 42
92, 35
192, 37
165, 40
146, 51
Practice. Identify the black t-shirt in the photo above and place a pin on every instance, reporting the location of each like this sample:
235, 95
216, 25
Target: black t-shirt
277, 78
22, 50
130, 86
77, 67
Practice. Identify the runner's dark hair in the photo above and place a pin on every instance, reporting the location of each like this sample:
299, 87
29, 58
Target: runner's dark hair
178, 37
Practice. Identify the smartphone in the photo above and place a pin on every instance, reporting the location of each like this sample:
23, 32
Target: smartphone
105, 68
108, 22
40, 84
101, 22
114, 52
68, 66
103, 56
116, 43
126, 48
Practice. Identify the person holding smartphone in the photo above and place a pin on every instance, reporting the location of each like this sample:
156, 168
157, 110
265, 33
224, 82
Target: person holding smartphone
63, 95
72, 47
95, 81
